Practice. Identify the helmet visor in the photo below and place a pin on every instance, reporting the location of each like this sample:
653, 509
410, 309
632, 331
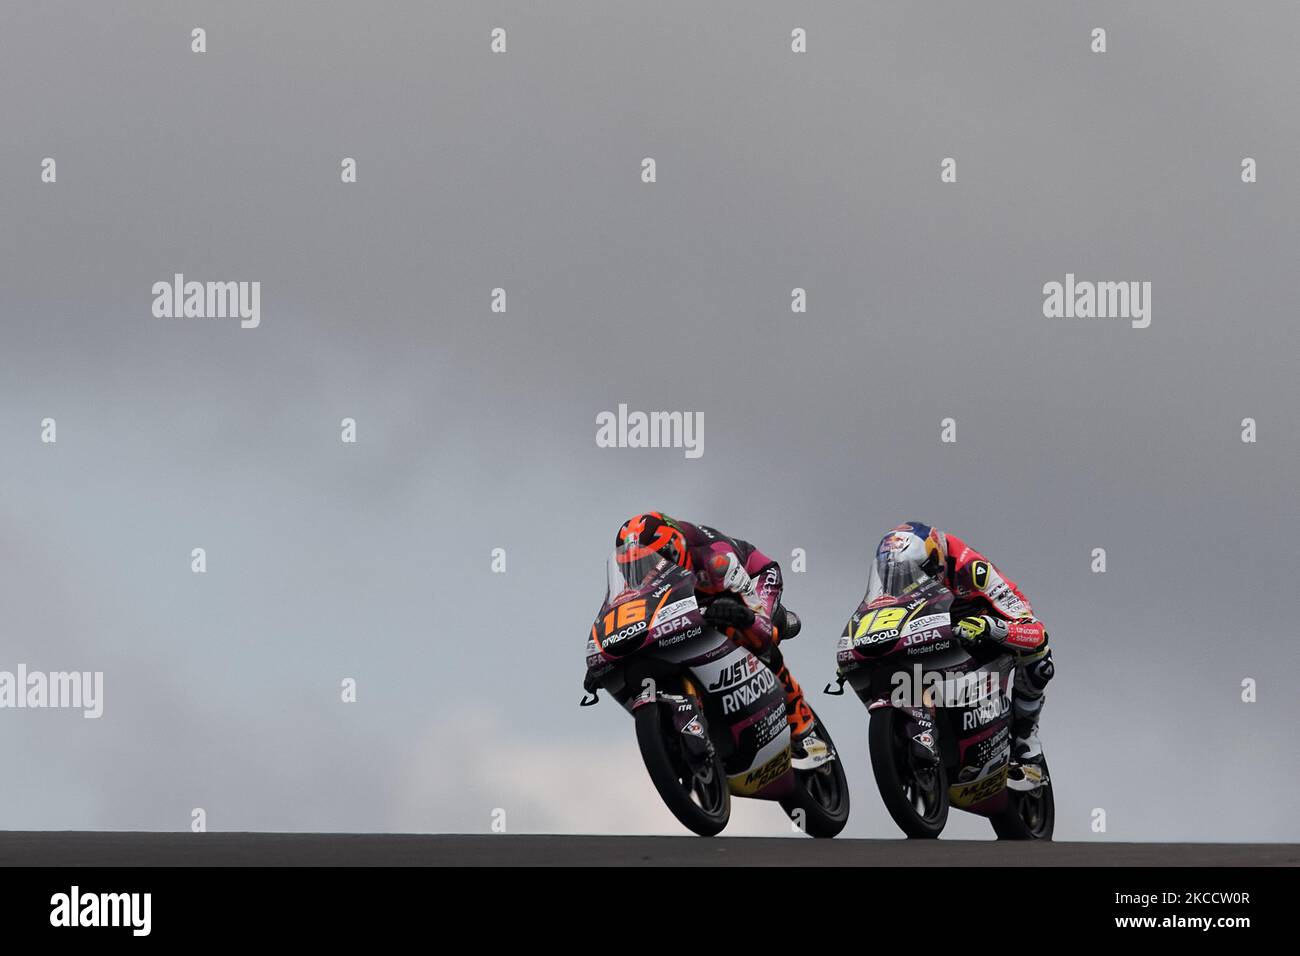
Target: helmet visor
894, 575
630, 568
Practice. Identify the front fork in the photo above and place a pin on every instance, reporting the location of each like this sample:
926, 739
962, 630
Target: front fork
923, 745
686, 720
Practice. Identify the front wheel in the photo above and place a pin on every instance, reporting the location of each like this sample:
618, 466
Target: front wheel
697, 796
915, 792
820, 802
1030, 814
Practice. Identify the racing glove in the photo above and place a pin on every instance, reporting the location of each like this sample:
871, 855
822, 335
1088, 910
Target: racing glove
727, 611
981, 626
727, 571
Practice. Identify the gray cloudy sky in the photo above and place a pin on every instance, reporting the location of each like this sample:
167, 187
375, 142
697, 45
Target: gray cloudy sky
477, 430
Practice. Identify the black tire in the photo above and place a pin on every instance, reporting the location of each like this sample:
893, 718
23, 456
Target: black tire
1030, 814
915, 796
821, 795
700, 800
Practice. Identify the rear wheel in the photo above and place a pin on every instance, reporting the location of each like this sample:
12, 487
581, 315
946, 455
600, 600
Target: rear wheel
915, 792
1030, 814
820, 803
697, 795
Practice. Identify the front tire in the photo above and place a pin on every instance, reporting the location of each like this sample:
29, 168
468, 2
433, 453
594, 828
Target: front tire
916, 796
821, 795
698, 797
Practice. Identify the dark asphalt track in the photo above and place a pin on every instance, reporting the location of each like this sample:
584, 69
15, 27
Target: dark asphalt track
70, 848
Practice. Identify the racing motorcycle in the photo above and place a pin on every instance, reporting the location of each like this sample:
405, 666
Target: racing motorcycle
940, 715
710, 716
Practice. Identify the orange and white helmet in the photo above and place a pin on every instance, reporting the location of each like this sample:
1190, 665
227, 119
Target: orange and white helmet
653, 532
644, 544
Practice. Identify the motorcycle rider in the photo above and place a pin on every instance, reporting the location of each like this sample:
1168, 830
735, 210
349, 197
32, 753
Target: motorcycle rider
739, 590
988, 607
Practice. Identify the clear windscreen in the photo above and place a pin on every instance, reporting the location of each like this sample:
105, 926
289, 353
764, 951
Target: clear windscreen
893, 578
629, 568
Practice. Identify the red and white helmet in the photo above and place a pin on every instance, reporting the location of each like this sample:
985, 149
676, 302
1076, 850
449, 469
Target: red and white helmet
907, 556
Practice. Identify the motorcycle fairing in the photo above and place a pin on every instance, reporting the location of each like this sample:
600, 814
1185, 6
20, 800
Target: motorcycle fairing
916, 623
983, 753
744, 700
659, 619
663, 612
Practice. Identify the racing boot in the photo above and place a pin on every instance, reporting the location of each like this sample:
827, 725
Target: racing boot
1027, 770
807, 750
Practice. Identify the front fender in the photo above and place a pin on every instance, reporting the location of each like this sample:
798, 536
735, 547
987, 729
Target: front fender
683, 716
920, 725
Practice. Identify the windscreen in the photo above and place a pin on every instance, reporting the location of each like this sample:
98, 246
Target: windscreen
629, 568
893, 577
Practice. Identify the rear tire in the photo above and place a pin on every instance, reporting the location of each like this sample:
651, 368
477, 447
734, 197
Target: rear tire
820, 794
1030, 814
699, 799
916, 797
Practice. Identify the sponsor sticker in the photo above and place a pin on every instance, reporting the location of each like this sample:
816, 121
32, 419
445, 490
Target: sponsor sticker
977, 791
756, 780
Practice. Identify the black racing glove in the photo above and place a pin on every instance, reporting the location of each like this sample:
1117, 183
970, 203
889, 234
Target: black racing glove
727, 611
